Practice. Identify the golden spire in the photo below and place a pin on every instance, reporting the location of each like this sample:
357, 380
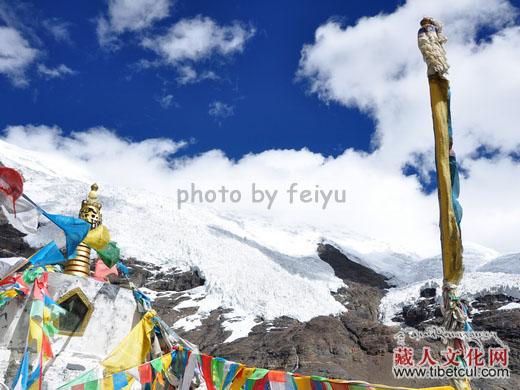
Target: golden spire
91, 208
91, 212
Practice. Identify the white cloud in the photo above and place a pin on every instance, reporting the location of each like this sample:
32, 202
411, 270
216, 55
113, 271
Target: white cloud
59, 30
60, 71
166, 101
193, 40
198, 38
129, 15
16, 55
379, 204
188, 75
100, 150
221, 110
375, 65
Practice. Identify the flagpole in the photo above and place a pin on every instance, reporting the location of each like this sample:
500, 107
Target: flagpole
430, 42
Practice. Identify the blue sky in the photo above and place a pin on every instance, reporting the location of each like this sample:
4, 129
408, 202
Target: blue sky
270, 109
271, 78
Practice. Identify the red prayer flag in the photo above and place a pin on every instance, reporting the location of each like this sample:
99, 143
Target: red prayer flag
11, 183
260, 383
145, 373
46, 347
339, 386
276, 376
206, 371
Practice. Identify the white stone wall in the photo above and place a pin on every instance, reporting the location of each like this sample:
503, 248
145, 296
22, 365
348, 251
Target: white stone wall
113, 317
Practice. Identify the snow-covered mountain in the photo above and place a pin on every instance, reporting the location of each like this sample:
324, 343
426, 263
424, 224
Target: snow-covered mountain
255, 267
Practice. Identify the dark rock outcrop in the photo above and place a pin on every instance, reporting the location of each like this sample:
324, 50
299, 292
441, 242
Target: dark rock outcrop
12, 243
143, 274
349, 270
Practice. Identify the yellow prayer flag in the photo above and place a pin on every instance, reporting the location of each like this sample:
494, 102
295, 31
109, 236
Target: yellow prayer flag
242, 376
35, 333
11, 293
133, 349
107, 383
303, 382
166, 361
98, 238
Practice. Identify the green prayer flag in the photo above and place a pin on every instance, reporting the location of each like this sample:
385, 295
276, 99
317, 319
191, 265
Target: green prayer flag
259, 373
110, 254
157, 364
83, 378
92, 385
217, 372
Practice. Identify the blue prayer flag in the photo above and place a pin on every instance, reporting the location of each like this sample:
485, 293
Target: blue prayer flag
49, 254
75, 230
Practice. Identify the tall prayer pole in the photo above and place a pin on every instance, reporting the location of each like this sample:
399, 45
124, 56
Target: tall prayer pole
431, 41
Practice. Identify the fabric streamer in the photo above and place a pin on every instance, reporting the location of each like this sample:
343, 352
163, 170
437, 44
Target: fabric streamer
49, 254
97, 238
22, 214
223, 374
43, 315
110, 254
11, 184
448, 186
133, 348
102, 272
450, 232
75, 230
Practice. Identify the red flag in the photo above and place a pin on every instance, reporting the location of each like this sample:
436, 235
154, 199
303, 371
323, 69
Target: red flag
145, 373
11, 183
46, 347
206, 371
260, 383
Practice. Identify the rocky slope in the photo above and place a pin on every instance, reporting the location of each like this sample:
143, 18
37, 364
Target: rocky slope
352, 345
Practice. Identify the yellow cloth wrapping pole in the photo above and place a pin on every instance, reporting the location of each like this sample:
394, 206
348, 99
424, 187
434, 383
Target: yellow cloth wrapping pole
451, 241
133, 349
450, 233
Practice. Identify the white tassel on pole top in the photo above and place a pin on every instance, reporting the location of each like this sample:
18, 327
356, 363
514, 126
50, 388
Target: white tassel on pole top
431, 40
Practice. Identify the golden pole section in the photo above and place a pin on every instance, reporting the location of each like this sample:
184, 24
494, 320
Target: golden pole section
91, 212
450, 232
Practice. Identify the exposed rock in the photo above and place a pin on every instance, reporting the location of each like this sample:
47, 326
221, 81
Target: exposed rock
507, 325
12, 243
429, 292
351, 345
349, 270
143, 274
492, 302
172, 280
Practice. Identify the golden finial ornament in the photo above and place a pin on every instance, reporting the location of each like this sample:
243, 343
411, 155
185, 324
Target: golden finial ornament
91, 212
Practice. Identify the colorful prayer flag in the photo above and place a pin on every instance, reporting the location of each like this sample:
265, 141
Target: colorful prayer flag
75, 230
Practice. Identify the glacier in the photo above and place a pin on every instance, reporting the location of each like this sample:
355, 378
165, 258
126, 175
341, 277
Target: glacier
256, 267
